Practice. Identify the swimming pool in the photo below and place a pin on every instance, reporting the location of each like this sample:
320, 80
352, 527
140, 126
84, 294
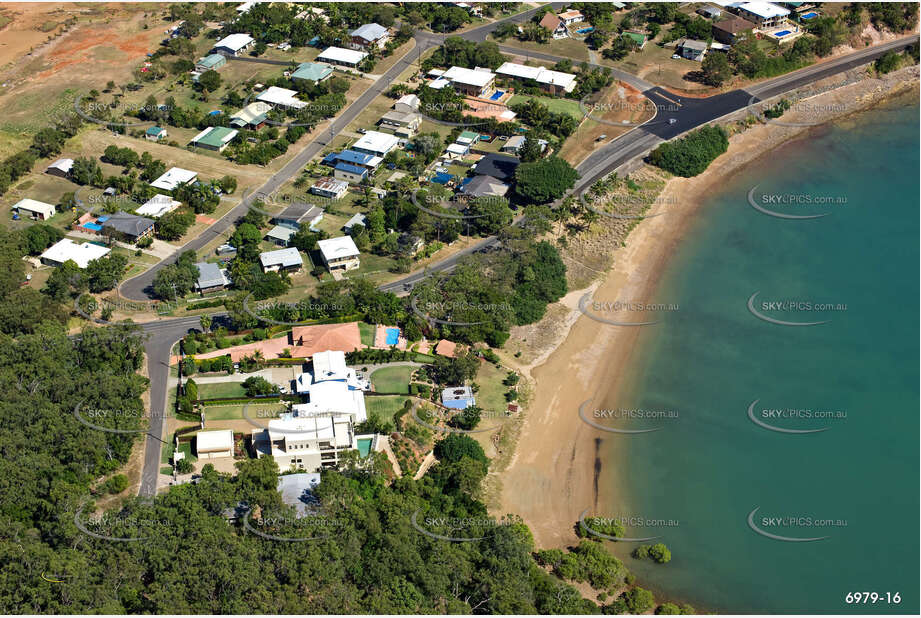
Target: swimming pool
809, 15
393, 336
496, 95
781, 33
364, 446
92, 226
585, 30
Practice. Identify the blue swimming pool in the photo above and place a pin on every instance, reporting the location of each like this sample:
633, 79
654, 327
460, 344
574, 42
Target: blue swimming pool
585, 30
393, 336
92, 226
809, 15
496, 95
442, 178
781, 33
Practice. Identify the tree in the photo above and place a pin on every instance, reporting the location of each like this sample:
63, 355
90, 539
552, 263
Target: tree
716, 69
660, 553
205, 322
491, 213
668, 609
228, 184
456, 446
257, 385
638, 600
692, 154
543, 181
530, 150
104, 273
210, 80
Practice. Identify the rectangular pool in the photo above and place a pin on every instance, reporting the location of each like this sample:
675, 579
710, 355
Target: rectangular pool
809, 15
364, 446
393, 336
782, 33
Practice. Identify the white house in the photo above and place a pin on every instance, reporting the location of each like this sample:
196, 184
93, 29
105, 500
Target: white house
214, 444
34, 209
173, 177
551, 81
571, 17
233, 44
472, 82
407, 104
285, 260
764, 14
343, 57
369, 35
61, 168
339, 253
157, 206
66, 249
329, 187
376, 143
281, 97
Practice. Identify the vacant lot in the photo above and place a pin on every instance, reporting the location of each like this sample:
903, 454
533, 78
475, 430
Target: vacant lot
555, 105
220, 390
392, 379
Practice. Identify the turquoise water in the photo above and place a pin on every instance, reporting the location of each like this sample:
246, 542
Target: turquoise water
364, 447
709, 360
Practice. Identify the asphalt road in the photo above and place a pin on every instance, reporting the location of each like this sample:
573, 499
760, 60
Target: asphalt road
687, 113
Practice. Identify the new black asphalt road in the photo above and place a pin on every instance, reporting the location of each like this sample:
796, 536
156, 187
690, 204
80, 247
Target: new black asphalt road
675, 115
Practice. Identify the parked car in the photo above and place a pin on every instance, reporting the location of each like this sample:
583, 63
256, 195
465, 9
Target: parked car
676, 57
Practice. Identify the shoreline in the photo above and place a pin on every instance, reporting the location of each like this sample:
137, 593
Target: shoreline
555, 479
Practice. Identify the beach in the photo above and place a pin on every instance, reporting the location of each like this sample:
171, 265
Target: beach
553, 476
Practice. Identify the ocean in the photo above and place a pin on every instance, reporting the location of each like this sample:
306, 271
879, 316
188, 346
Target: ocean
719, 487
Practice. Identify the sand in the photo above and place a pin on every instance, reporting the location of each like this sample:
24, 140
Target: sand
554, 474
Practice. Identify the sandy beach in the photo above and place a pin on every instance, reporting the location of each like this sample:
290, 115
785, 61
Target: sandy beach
554, 473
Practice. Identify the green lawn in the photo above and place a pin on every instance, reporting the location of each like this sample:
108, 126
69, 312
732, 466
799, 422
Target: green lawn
392, 379
267, 410
167, 452
559, 106
384, 407
367, 333
221, 389
491, 395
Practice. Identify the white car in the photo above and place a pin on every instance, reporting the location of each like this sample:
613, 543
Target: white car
676, 57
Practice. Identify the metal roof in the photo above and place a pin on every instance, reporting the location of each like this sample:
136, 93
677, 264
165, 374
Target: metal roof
369, 32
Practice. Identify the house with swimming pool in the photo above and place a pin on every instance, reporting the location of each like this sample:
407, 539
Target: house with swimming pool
458, 397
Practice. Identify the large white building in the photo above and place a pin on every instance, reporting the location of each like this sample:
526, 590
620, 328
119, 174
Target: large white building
214, 444
339, 253
233, 44
282, 97
157, 206
764, 14
34, 209
66, 249
314, 434
343, 57
473, 82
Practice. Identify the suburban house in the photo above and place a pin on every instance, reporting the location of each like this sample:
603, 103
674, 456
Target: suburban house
342, 57
211, 278
299, 213
157, 206
128, 227
481, 186
214, 444
312, 72
329, 365
555, 25
280, 235
339, 253
234, 44
762, 14
281, 97
468, 138
79, 253
553, 82
457, 397
693, 50
357, 219
214, 138
498, 166
369, 35
409, 244
456, 151
251, 117
155, 134
732, 30
284, 260
474, 83
34, 209
376, 143
172, 178
571, 17
350, 173
407, 103
211, 62
403, 124
328, 187
61, 168
353, 157
309, 340
513, 144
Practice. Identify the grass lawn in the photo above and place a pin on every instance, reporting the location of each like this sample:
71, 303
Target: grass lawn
384, 407
568, 47
392, 379
166, 455
265, 410
559, 106
221, 389
367, 333
491, 395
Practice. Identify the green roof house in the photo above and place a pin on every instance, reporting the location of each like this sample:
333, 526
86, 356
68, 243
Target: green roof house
638, 38
468, 138
312, 71
214, 138
210, 63
155, 133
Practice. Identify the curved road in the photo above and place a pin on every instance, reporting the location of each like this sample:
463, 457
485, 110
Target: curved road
688, 113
